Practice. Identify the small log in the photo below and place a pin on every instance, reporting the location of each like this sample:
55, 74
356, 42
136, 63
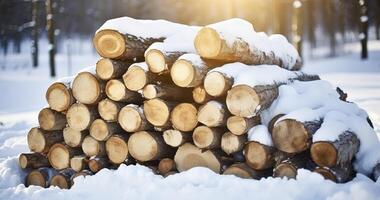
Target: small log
157, 112
40, 140
336, 174
217, 84
167, 92
166, 165
213, 114
160, 60
241, 125
113, 44
107, 69
79, 163
338, 153
92, 147
83, 173
109, 110
33, 160
242, 170
207, 138
188, 71
62, 179
102, 130
116, 90
59, 155
80, 116
189, 156
200, 95
273, 121
292, 136
184, 117
40, 177
87, 88
259, 156
148, 146
376, 172
232, 143
131, 119
98, 163
51, 120
176, 138
117, 148
59, 96
74, 138
288, 167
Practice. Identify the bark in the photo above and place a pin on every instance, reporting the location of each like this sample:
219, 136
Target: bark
33, 160
40, 141
160, 60
167, 92
241, 125
40, 177
107, 69
116, 90
62, 179
288, 166
101, 130
51, 120
74, 138
50, 26
337, 174
59, 155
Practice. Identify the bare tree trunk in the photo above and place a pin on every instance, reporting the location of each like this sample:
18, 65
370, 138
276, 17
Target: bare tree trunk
363, 28
297, 28
35, 33
50, 29
310, 6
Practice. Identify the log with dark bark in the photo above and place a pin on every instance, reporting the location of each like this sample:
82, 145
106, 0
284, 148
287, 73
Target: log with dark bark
59, 96
213, 114
340, 152
200, 95
40, 177
336, 174
62, 179
184, 117
287, 167
188, 71
117, 148
40, 140
131, 119
109, 110
176, 138
92, 147
208, 138
259, 156
59, 155
97, 163
148, 146
80, 116
241, 125
273, 121
83, 173
166, 165
87, 88
74, 138
51, 120
167, 92
116, 90
33, 160
79, 163
157, 112
102, 130
292, 136
242, 170
232, 143
107, 69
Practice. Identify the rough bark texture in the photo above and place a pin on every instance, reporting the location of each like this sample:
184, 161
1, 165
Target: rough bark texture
51, 120
167, 92
40, 177
287, 166
40, 140
376, 172
33, 160
336, 174
62, 179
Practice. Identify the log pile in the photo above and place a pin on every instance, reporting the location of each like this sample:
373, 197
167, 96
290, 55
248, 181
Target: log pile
170, 111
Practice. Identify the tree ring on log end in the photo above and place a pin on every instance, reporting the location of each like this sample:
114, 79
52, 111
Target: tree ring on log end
116, 149
142, 146
36, 140
58, 97
215, 84
104, 69
59, 181
150, 91
203, 136
290, 136
129, 119
99, 130
208, 43
86, 88
90, 146
115, 90
109, 43
242, 101
155, 60
36, 178
182, 73
59, 157
237, 125
237, 171
78, 117
324, 154
135, 78
156, 112
184, 117
256, 155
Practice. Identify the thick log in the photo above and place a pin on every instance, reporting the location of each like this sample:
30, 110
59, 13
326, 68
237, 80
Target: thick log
184, 117
232, 143
200, 95
259, 156
213, 114
40, 177
242, 170
273, 121
157, 112
167, 92
287, 167
376, 172
116, 90
188, 71
87, 88
189, 156
160, 60
337, 153
33, 160
117, 148
166, 165
74, 138
83, 173
102, 130
107, 69
40, 140
292, 136
62, 179
51, 120
79, 163
148, 146
336, 174
217, 84
131, 119
176, 138
92, 147
59, 155
97, 163
80, 116
241, 125
208, 138
115, 45
59, 96
109, 110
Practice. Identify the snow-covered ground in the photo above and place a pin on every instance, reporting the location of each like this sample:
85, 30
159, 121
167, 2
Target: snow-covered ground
22, 95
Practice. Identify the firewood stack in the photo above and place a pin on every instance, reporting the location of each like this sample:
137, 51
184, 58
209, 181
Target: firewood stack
165, 95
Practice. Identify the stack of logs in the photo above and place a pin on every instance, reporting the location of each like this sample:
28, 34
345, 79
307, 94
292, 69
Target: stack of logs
162, 109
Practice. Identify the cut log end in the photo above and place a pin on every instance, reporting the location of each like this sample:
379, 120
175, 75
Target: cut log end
206, 137
78, 163
182, 73
208, 43
39, 177
92, 147
60, 181
216, 84
59, 156
285, 170
212, 114
258, 156
150, 91
157, 112
33, 160
290, 136
156, 61
242, 101
79, 117
184, 117
109, 109
142, 146
51, 120
116, 90
200, 95
117, 149
109, 43
166, 165
237, 125
104, 69
130, 119
86, 88
324, 154
135, 78
98, 163
59, 97
36, 140
232, 143
176, 138
72, 137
